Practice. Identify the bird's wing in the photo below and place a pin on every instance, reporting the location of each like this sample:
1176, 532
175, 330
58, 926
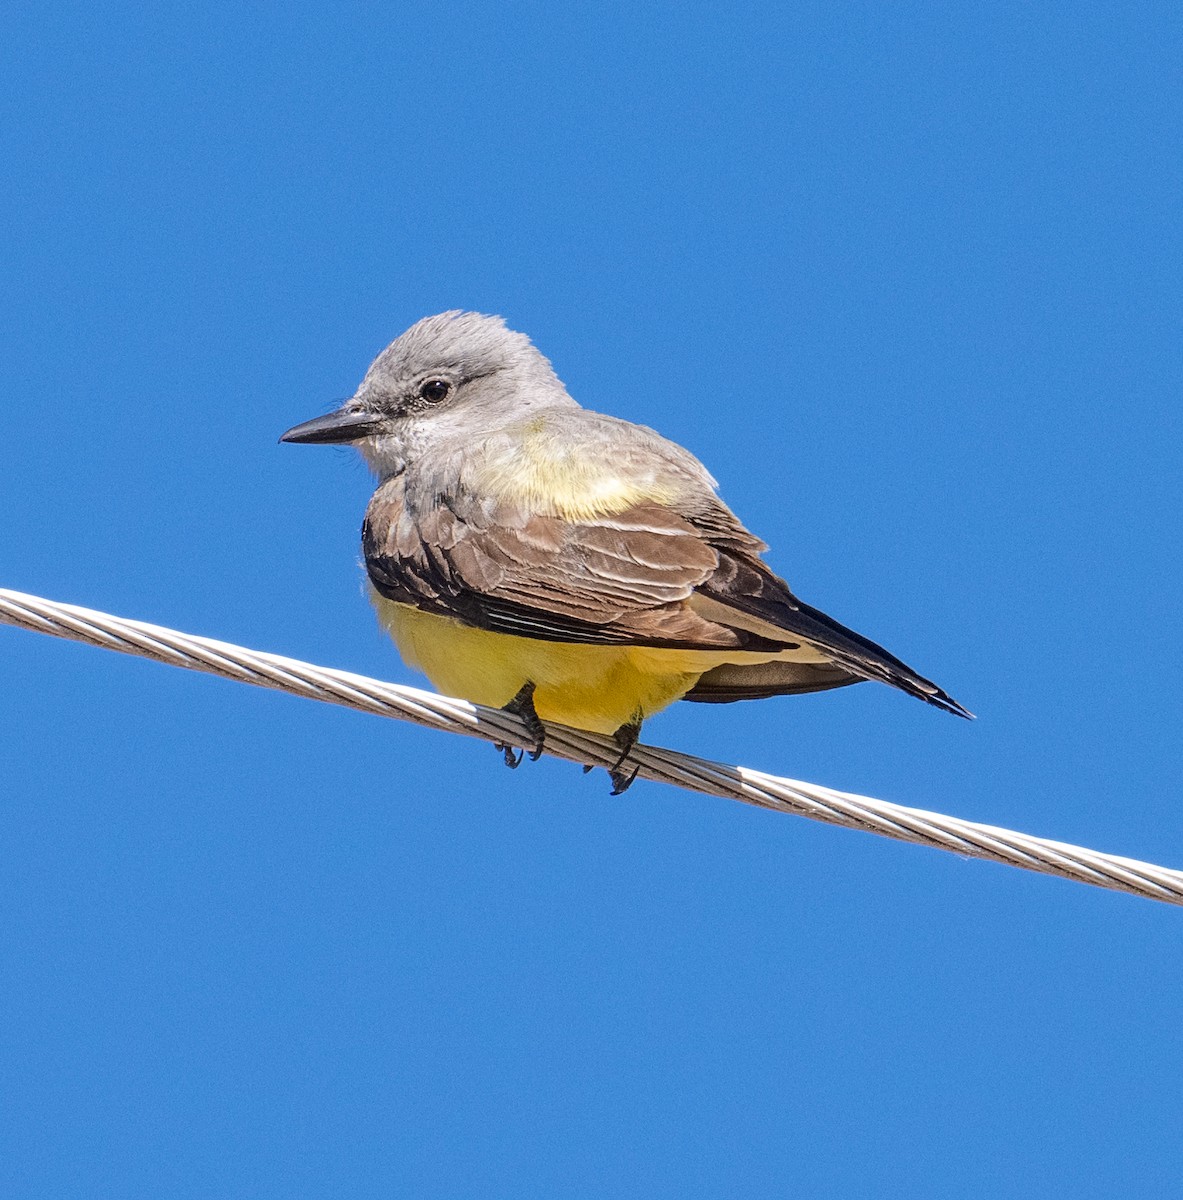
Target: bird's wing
646, 576
619, 579
743, 591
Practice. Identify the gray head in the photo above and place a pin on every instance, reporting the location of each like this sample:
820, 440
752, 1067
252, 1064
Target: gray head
455, 370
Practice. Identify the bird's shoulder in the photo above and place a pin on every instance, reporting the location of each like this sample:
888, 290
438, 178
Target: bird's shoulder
565, 462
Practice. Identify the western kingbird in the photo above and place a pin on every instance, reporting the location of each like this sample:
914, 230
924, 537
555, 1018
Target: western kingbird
528, 554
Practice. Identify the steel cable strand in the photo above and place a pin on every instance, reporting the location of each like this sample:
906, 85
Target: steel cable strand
903, 823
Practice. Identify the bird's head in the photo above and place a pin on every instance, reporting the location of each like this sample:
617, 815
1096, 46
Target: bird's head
455, 372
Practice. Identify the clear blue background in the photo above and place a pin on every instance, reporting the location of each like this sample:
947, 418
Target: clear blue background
907, 277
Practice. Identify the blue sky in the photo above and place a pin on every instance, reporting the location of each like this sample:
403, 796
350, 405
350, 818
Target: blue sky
907, 278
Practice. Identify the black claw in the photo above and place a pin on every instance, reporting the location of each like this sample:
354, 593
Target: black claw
622, 782
626, 738
512, 760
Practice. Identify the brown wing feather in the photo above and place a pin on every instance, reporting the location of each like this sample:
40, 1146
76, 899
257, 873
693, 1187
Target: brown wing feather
618, 579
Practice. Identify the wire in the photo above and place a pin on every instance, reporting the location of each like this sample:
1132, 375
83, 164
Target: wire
665, 766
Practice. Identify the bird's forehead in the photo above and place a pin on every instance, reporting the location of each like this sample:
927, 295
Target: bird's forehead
469, 343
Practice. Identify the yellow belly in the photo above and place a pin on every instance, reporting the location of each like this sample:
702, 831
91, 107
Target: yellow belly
599, 688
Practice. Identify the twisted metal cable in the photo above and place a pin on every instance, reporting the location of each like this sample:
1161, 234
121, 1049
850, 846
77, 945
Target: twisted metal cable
665, 766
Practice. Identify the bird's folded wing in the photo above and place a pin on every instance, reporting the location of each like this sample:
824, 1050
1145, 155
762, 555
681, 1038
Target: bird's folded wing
646, 576
619, 579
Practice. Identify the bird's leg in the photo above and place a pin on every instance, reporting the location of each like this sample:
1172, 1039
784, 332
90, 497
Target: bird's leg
522, 706
626, 738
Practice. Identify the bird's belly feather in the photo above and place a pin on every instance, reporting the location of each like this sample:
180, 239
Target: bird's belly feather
598, 688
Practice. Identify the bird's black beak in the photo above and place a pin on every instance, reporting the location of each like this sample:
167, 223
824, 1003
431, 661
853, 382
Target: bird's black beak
344, 425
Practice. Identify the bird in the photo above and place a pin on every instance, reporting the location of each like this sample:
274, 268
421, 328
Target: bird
529, 554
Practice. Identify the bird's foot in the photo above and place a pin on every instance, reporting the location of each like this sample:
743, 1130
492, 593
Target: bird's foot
522, 707
626, 738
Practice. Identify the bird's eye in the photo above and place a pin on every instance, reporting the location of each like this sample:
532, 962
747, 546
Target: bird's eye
434, 390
